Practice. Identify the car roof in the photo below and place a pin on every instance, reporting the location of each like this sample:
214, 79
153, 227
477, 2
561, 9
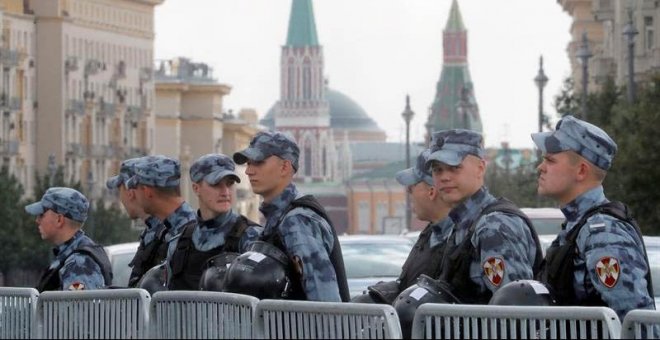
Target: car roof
543, 212
122, 248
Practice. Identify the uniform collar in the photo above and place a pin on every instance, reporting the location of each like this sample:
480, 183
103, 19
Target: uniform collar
575, 209
63, 250
465, 213
183, 215
441, 230
274, 209
222, 219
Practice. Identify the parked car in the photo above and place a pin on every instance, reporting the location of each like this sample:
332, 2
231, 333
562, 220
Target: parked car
367, 259
652, 244
372, 258
120, 256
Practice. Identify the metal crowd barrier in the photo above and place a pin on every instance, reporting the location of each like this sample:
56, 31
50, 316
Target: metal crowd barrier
202, 315
93, 314
277, 319
447, 321
641, 324
18, 307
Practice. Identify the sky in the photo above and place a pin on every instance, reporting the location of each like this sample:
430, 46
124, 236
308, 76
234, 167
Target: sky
377, 51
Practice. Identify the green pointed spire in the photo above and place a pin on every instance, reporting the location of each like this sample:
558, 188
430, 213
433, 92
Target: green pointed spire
455, 20
302, 27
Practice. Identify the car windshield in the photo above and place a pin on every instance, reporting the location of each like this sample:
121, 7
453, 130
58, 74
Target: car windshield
374, 259
547, 226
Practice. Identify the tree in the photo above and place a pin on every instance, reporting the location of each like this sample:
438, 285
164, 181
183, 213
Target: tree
111, 225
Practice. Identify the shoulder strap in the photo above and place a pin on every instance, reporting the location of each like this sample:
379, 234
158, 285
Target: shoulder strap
503, 205
234, 237
99, 256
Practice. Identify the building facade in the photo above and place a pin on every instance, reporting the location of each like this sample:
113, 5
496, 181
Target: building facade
604, 21
190, 122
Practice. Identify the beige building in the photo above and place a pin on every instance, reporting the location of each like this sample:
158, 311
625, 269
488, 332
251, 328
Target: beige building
190, 123
76, 86
604, 22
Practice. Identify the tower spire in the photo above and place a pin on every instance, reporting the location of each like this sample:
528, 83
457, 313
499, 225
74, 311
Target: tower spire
455, 20
302, 26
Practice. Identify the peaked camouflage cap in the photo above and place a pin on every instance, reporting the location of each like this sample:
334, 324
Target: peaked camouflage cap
66, 201
452, 146
270, 143
155, 171
418, 173
212, 168
126, 171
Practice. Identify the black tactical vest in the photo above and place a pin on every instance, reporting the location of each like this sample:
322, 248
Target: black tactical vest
50, 279
297, 292
455, 267
559, 264
422, 260
147, 257
188, 262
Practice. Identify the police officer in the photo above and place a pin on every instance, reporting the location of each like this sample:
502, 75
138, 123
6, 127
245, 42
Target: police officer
220, 228
152, 249
425, 256
80, 264
493, 242
296, 224
598, 258
157, 191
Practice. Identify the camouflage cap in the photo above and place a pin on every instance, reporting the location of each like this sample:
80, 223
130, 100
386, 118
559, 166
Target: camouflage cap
155, 171
126, 171
212, 168
587, 140
66, 201
270, 143
419, 172
452, 146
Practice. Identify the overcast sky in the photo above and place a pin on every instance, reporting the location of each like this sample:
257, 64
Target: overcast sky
377, 51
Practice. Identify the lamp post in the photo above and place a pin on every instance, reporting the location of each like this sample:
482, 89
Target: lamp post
90, 197
407, 117
630, 32
583, 54
541, 80
429, 127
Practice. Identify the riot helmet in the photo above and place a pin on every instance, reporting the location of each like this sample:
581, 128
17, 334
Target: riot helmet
365, 297
261, 272
426, 290
154, 280
523, 293
215, 268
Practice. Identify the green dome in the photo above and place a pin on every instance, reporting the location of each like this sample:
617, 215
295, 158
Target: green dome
345, 114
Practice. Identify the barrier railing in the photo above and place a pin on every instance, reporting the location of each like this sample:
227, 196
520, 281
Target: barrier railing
277, 319
202, 315
94, 314
641, 324
446, 321
18, 307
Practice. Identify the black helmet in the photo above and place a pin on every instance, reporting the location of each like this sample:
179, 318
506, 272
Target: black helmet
260, 272
364, 298
523, 293
154, 280
213, 276
426, 290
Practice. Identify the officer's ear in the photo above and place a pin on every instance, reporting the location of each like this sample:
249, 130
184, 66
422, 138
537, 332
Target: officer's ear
432, 192
196, 187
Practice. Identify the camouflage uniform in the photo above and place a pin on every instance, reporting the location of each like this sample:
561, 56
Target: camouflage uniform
503, 248
73, 268
303, 232
609, 261
164, 172
147, 255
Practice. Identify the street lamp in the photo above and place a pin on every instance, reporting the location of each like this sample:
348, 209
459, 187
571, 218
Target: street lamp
407, 117
630, 32
583, 54
541, 80
429, 127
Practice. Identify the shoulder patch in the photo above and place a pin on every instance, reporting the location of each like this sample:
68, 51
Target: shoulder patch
608, 269
77, 286
494, 270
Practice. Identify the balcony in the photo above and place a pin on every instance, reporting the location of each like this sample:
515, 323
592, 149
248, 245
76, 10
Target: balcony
602, 10
9, 148
103, 151
15, 103
76, 107
134, 113
107, 110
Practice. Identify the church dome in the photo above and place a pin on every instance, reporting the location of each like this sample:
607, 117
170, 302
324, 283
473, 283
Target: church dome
345, 114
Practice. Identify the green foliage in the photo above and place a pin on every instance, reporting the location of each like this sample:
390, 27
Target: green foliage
518, 185
109, 225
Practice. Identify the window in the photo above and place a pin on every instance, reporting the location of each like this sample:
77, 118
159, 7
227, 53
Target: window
364, 218
308, 160
648, 33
